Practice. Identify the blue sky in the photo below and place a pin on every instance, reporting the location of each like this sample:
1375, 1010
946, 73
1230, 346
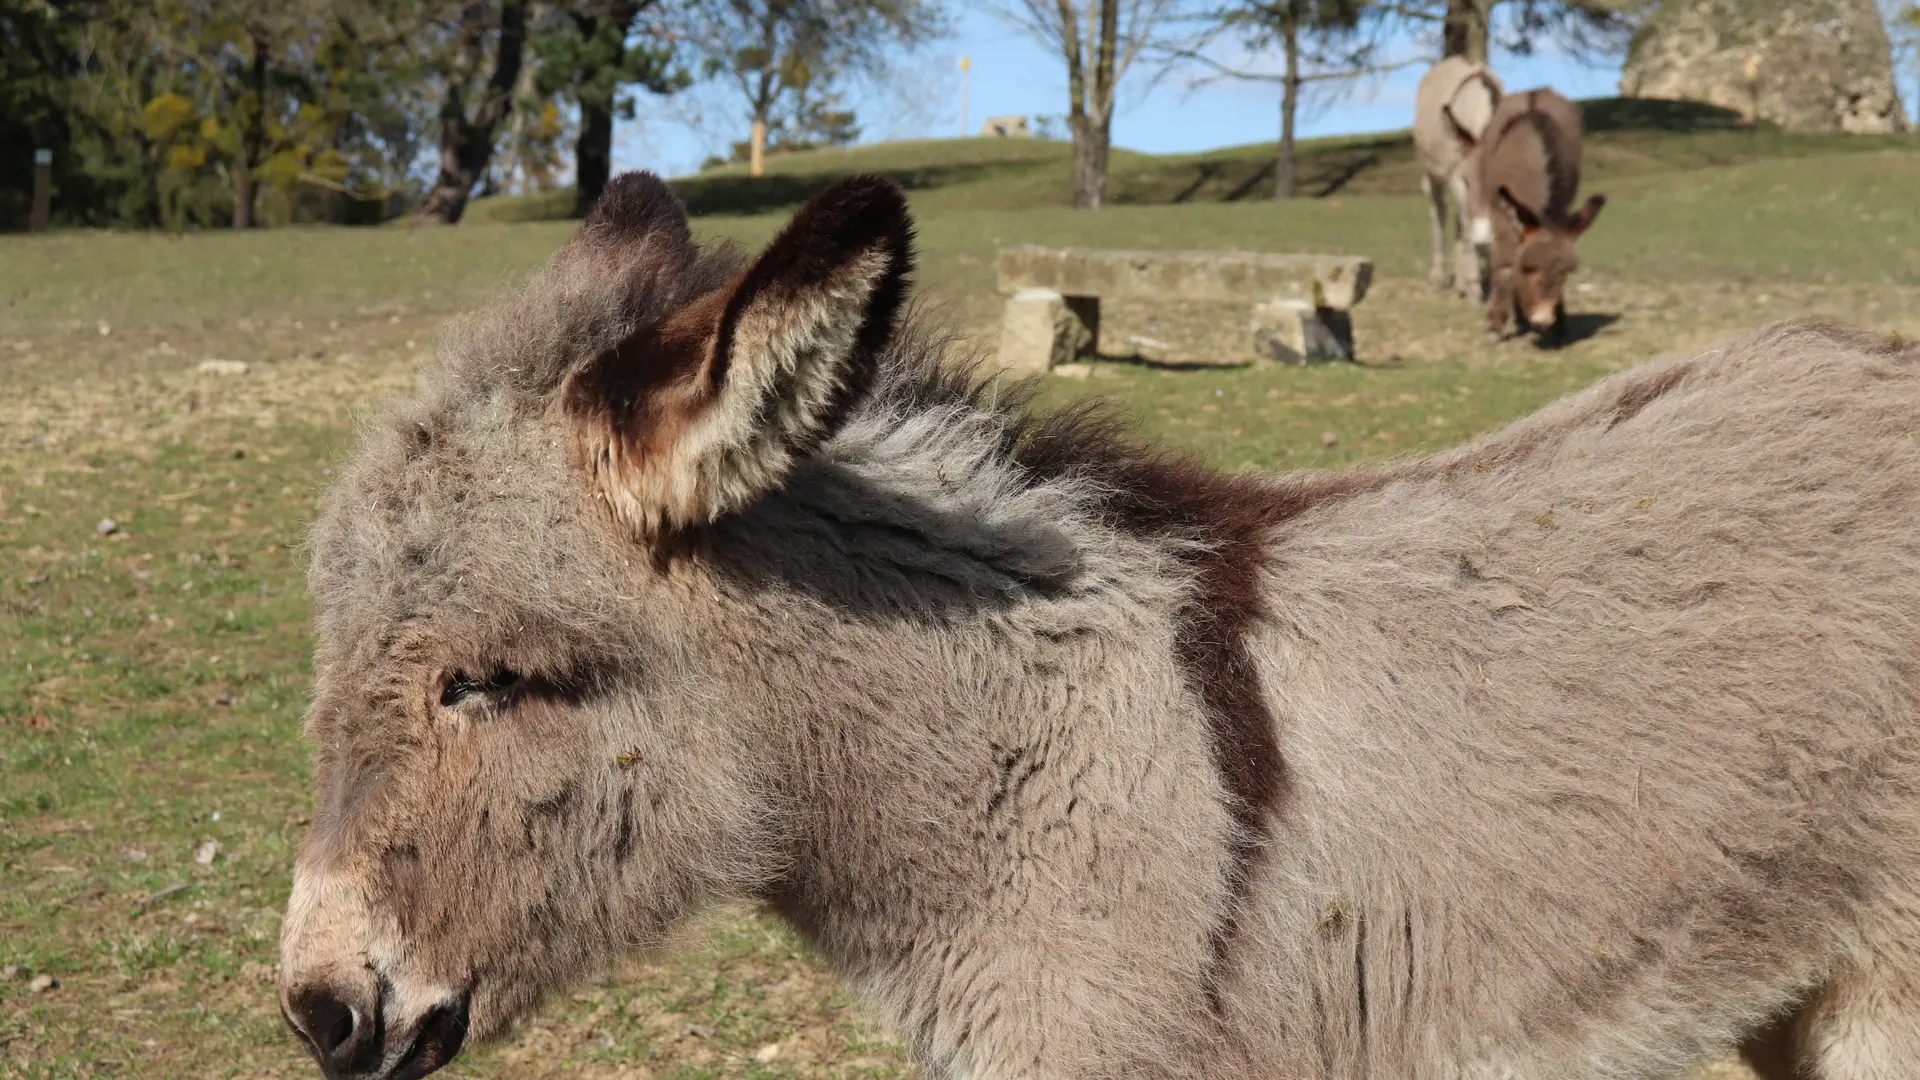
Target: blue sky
1012, 75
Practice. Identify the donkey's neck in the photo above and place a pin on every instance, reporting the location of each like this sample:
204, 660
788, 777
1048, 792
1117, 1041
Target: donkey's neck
995, 773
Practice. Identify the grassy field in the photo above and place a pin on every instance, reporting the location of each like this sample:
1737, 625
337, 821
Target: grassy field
153, 623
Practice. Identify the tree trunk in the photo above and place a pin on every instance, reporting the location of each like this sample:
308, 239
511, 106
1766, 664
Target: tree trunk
1091, 141
242, 194
593, 154
253, 141
757, 148
1467, 29
1289, 109
593, 151
1092, 116
466, 142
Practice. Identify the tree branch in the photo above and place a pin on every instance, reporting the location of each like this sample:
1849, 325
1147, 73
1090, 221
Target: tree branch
1223, 71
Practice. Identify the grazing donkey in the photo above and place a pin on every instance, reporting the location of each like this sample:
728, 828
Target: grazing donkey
1530, 161
1455, 100
1583, 750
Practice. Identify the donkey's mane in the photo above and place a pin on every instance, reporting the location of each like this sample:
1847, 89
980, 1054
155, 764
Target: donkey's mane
1551, 140
1218, 525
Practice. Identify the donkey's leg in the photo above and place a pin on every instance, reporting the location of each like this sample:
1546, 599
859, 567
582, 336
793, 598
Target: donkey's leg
1865, 1026
1437, 211
1773, 1052
1466, 267
1500, 303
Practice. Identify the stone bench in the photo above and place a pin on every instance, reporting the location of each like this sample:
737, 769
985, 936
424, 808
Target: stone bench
1300, 304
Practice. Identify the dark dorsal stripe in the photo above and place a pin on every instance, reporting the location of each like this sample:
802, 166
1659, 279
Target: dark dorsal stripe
1226, 524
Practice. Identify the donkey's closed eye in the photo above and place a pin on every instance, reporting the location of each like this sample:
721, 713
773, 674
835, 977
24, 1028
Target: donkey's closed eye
461, 688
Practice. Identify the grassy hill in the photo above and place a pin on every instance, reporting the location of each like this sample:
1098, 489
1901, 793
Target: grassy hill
152, 673
1693, 200
1627, 139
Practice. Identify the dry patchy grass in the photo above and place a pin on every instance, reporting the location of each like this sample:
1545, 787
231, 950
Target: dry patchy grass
153, 674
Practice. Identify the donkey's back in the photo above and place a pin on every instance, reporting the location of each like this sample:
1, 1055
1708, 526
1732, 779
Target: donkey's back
1604, 731
1533, 147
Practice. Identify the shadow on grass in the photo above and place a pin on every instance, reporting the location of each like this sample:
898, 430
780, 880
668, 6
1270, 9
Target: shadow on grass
1247, 173
1654, 114
737, 194
1343, 175
1576, 328
1172, 361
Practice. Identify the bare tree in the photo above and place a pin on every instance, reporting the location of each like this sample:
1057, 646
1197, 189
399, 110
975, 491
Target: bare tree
1468, 29
786, 57
1323, 44
1099, 40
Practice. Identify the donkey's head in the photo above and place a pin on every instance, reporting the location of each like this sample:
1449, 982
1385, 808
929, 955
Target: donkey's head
523, 767
1546, 257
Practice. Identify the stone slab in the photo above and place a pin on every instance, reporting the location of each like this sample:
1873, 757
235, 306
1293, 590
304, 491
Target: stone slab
1337, 282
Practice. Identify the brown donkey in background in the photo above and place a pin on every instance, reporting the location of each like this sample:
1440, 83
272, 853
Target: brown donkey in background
1529, 165
1583, 750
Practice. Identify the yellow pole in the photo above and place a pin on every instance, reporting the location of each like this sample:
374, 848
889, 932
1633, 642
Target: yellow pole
966, 76
757, 153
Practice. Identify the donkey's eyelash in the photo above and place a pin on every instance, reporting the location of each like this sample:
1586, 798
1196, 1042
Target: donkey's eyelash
460, 687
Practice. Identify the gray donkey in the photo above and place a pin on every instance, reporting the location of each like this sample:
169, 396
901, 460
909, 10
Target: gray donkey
1452, 105
1583, 750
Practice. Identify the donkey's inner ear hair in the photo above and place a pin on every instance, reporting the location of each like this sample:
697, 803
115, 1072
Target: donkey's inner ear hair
710, 407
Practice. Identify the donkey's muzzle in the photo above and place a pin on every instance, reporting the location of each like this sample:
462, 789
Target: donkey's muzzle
345, 1036
348, 1035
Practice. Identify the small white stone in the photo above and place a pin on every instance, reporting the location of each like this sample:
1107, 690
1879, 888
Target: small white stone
106, 527
205, 852
43, 983
221, 367
767, 1053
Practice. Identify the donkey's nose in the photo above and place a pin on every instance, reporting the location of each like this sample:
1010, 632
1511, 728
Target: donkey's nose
343, 1035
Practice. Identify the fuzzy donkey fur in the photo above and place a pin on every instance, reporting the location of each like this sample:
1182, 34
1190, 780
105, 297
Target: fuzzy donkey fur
1583, 750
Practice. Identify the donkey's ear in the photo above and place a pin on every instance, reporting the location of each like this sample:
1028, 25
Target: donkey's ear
1582, 219
709, 408
634, 207
1529, 221
1459, 130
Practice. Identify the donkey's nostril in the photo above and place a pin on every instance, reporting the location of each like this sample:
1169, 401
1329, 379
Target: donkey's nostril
343, 1039
331, 1035
438, 1039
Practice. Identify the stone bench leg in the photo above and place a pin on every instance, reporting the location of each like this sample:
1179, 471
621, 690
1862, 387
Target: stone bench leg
1296, 332
1041, 328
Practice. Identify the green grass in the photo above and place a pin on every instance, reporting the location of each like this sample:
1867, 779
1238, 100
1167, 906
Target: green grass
1788, 208
153, 678
1626, 139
